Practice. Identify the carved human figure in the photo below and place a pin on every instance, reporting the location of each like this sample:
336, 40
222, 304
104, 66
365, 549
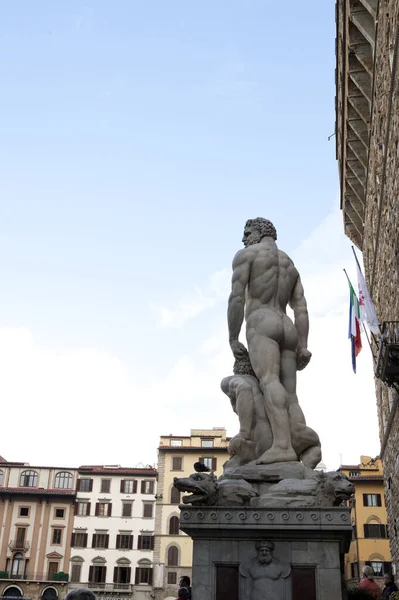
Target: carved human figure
264, 282
267, 576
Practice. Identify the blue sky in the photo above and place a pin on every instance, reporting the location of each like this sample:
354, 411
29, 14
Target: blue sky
137, 138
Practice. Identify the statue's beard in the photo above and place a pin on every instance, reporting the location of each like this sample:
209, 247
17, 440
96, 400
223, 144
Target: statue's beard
254, 239
264, 560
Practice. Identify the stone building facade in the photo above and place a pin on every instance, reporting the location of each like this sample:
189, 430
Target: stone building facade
367, 137
176, 457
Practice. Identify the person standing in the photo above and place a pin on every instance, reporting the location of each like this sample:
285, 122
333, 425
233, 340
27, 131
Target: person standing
368, 584
390, 586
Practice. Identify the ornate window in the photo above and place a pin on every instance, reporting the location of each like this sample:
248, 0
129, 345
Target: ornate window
1, 478
63, 480
17, 563
28, 479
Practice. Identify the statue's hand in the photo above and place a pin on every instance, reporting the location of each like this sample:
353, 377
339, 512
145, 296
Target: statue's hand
238, 349
303, 357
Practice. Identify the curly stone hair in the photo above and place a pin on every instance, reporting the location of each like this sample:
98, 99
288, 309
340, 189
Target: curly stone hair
265, 227
266, 543
242, 366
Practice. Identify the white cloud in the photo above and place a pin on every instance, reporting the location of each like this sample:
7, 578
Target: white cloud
196, 301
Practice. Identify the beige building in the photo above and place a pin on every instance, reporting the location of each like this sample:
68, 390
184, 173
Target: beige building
367, 134
370, 544
36, 513
176, 457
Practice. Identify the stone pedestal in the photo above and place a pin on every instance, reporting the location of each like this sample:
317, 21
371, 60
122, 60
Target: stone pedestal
308, 545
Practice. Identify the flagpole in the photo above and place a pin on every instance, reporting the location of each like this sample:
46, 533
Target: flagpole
357, 261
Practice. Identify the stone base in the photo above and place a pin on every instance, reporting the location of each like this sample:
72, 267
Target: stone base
309, 544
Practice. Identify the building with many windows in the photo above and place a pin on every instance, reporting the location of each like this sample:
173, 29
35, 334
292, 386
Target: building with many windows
176, 456
112, 540
36, 513
370, 543
367, 134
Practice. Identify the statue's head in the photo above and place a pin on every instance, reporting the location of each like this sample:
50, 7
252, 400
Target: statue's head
265, 552
256, 229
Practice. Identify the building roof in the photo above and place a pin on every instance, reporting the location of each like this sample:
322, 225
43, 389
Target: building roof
2, 460
360, 478
101, 470
37, 491
193, 449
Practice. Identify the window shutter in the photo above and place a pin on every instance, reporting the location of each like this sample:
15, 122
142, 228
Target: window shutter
152, 538
139, 543
90, 485
76, 508
378, 499
118, 542
130, 543
365, 503
97, 509
122, 486
88, 509
91, 574
110, 509
135, 486
137, 576
73, 540
366, 530
115, 574
387, 568
150, 577
94, 541
103, 574
128, 574
85, 540
382, 531
78, 485
214, 464
151, 487
142, 486
106, 540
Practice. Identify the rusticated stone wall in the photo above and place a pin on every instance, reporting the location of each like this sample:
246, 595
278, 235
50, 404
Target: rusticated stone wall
381, 235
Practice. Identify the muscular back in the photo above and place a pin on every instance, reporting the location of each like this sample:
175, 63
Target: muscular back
272, 277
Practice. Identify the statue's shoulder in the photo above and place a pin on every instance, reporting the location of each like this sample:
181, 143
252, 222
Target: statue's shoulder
243, 256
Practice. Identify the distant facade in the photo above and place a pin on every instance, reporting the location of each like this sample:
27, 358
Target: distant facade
367, 134
36, 513
176, 457
112, 540
370, 543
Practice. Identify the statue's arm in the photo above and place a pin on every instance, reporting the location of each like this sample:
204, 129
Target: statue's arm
301, 317
235, 311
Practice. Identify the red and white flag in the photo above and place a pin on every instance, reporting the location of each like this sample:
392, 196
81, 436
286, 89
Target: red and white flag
367, 310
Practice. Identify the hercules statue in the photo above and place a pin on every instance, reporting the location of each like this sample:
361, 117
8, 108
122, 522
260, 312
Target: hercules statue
265, 281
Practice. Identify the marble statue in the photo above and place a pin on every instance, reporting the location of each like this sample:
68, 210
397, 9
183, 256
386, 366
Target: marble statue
264, 282
266, 576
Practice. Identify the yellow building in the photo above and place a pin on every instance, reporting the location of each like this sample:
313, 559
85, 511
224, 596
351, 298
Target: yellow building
176, 457
370, 544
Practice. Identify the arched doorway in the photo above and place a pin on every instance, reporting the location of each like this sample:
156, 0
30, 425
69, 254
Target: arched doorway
49, 593
13, 591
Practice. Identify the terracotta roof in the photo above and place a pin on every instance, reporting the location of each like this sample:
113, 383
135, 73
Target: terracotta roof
36, 491
2, 460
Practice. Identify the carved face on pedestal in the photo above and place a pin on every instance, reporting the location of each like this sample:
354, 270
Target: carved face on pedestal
265, 553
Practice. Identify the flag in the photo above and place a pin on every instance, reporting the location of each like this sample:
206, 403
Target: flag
354, 325
367, 310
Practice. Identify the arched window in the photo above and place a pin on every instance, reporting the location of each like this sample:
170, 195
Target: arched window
63, 480
12, 591
49, 593
28, 479
1, 477
174, 496
174, 526
17, 563
173, 556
